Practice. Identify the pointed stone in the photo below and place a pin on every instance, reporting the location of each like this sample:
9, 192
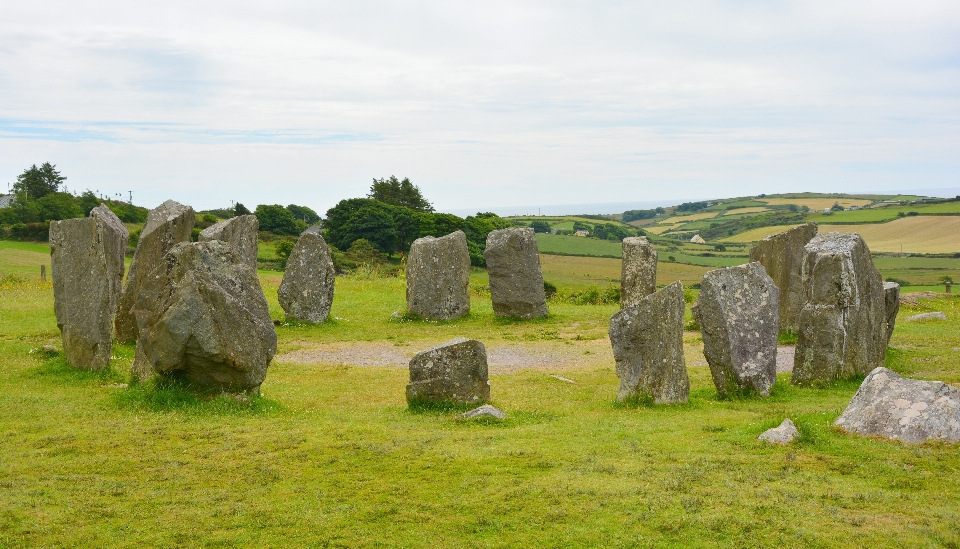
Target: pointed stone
306, 292
516, 281
782, 256
438, 277
638, 271
241, 232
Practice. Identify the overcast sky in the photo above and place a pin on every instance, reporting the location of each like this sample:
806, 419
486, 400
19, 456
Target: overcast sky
481, 104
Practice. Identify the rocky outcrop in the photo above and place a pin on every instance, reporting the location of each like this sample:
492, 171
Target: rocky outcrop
516, 282
86, 257
455, 372
891, 300
647, 341
738, 311
638, 271
202, 316
782, 256
167, 225
438, 277
306, 292
843, 323
241, 232
911, 410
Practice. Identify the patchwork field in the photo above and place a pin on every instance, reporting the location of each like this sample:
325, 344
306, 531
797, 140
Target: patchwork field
816, 203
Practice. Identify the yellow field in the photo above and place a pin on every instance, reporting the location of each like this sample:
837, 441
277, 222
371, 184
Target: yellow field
576, 272
817, 203
671, 222
922, 234
747, 210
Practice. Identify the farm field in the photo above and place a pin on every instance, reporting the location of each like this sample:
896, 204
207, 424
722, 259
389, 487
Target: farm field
740, 211
816, 203
330, 455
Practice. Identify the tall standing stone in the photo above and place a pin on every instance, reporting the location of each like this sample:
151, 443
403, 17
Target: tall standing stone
738, 312
782, 256
306, 292
241, 232
438, 277
891, 299
638, 272
516, 282
455, 372
167, 225
86, 257
647, 341
843, 323
202, 315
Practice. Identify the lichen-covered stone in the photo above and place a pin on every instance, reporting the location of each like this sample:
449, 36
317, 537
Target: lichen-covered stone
782, 256
86, 257
785, 433
438, 277
843, 323
202, 315
738, 311
891, 300
516, 282
647, 341
936, 315
167, 225
454, 372
306, 292
910, 410
638, 271
241, 232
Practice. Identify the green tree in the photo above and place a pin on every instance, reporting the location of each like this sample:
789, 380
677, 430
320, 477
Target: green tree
540, 226
276, 219
57, 206
304, 214
836, 207
88, 201
374, 225
35, 183
239, 209
399, 193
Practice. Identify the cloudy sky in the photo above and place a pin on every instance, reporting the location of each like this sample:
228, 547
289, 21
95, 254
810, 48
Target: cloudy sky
481, 104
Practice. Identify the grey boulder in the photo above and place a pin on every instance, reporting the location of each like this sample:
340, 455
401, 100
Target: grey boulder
891, 301
911, 410
516, 282
638, 270
306, 292
86, 257
241, 232
454, 372
927, 316
782, 256
647, 340
167, 225
202, 316
438, 277
785, 433
738, 312
843, 323
487, 410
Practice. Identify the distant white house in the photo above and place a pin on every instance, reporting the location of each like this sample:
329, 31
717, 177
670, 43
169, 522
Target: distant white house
697, 239
6, 200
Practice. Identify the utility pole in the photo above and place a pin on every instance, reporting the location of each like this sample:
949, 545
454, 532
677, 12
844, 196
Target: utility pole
131, 196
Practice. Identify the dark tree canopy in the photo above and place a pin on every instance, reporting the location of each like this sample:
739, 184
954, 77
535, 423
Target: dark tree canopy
276, 219
35, 183
239, 209
540, 226
399, 193
304, 214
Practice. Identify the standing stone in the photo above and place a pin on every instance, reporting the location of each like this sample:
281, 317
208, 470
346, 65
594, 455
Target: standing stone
306, 292
167, 225
203, 316
738, 311
647, 341
516, 282
86, 257
843, 323
438, 277
782, 255
455, 372
891, 300
911, 410
638, 271
241, 232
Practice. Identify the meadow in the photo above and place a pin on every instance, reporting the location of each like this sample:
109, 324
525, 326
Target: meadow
330, 456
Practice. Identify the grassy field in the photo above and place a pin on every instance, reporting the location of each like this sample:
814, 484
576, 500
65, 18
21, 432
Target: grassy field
816, 203
740, 211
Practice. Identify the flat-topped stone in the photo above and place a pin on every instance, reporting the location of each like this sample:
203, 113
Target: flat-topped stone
306, 292
438, 277
516, 281
241, 232
638, 271
454, 372
782, 256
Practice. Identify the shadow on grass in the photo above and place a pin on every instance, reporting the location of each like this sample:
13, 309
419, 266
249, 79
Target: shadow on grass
173, 394
55, 367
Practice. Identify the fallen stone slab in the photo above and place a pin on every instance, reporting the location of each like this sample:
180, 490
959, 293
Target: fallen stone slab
785, 433
927, 316
306, 291
516, 281
638, 271
202, 316
86, 257
782, 256
738, 310
454, 372
167, 225
911, 410
647, 340
487, 410
241, 232
843, 323
438, 277
891, 299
